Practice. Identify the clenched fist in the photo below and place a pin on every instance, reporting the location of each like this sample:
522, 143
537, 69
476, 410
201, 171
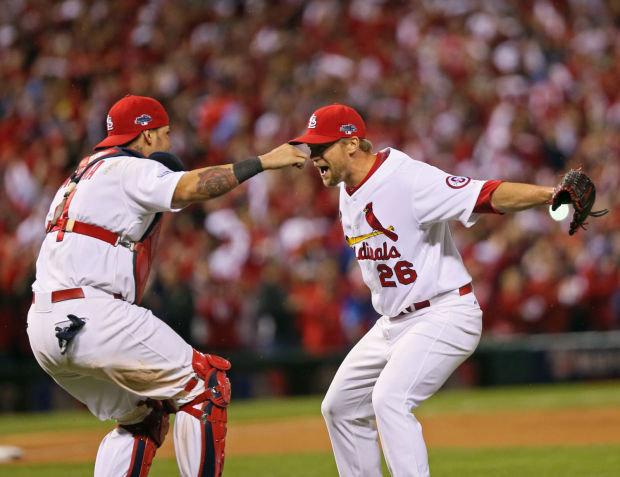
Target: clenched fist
282, 156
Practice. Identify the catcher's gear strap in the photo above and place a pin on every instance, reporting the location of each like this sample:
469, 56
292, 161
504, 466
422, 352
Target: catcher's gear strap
213, 432
61, 222
62, 209
142, 456
144, 248
212, 411
149, 434
65, 224
211, 369
156, 424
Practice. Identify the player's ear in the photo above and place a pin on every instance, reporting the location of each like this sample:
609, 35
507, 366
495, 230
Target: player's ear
146, 134
353, 144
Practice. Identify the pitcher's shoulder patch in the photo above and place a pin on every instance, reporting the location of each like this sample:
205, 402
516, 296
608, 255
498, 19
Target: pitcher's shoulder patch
457, 182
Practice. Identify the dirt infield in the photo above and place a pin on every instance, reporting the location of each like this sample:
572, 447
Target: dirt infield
498, 429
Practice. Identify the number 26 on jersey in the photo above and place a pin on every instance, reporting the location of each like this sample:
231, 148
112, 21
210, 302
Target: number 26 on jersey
402, 271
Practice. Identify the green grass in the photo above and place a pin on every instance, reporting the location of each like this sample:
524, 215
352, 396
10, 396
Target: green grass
592, 461
533, 397
552, 461
448, 401
555, 396
51, 421
549, 461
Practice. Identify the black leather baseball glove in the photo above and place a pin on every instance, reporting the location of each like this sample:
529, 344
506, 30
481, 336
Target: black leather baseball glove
576, 188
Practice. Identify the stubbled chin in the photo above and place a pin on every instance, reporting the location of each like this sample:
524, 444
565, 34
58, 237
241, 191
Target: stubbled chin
328, 181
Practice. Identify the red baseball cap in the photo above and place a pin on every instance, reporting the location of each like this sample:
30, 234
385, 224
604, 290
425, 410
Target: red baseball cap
130, 116
331, 123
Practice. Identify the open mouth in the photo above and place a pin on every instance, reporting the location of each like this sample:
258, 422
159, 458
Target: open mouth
323, 170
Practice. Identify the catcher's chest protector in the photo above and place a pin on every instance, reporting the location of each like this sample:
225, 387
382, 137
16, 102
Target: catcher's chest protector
143, 250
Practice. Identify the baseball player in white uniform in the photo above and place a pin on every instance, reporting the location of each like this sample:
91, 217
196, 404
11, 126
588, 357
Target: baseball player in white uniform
85, 325
394, 212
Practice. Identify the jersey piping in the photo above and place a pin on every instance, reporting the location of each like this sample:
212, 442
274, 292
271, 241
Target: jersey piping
380, 159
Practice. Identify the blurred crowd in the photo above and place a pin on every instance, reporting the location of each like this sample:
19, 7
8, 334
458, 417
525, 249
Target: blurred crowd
490, 89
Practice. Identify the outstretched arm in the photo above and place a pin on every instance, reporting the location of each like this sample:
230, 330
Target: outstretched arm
210, 182
514, 196
203, 184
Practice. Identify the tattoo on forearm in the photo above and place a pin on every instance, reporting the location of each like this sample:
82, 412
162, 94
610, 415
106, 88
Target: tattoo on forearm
216, 181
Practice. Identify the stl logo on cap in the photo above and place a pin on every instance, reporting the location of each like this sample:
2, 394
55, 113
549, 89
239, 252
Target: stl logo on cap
330, 123
348, 129
143, 120
131, 115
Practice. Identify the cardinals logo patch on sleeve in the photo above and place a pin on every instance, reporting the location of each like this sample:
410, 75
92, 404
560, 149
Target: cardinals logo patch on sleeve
457, 182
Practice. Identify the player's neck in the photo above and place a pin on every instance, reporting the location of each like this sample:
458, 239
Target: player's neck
361, 165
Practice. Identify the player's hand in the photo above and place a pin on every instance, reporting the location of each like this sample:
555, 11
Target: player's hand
282, 156
576, 188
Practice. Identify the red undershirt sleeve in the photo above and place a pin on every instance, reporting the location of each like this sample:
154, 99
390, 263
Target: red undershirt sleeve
483, 204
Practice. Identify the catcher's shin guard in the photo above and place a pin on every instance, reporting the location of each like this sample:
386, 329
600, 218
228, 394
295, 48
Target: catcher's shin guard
149, 435
142, 457
210, 408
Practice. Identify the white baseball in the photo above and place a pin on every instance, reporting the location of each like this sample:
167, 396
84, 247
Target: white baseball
560, 213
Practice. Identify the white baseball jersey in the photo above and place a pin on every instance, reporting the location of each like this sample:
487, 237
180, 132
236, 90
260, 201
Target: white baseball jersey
396, 222
120, 354
120, 194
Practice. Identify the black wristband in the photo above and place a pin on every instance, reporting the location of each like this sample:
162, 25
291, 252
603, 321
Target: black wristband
245, 169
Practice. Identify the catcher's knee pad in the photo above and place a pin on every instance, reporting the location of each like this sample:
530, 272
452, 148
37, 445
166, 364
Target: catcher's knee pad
210, 408
149, 434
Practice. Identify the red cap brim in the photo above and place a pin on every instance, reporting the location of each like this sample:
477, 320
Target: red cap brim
116, 140
313, 139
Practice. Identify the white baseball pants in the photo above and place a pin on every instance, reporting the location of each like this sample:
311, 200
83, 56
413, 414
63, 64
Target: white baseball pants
121, 356
395, 367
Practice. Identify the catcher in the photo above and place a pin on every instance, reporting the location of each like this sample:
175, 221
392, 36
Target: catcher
85, 325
